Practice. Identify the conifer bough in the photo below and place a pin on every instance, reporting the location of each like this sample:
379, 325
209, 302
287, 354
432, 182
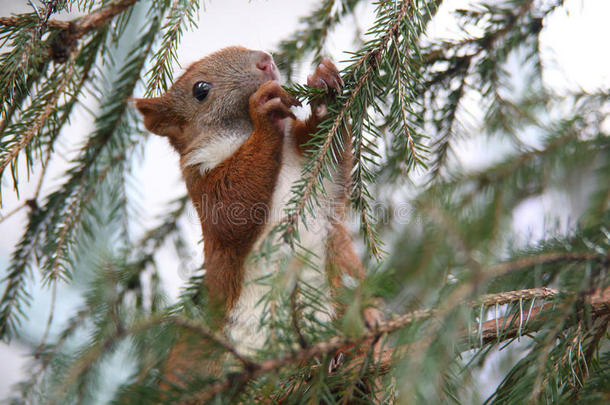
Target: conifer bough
458, 286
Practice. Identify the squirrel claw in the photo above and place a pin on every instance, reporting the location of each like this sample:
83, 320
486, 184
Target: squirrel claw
272, 100
326, 76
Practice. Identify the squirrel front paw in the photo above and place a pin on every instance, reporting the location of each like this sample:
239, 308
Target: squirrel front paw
326, 77
271, 102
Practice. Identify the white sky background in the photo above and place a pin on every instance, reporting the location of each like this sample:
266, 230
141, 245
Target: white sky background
575, 51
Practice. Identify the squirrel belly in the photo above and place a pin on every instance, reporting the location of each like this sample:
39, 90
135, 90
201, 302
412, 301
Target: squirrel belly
244, 320
246, 314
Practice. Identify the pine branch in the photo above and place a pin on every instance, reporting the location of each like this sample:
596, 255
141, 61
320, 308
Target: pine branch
44, 221
600, 304
10, 155
497, 330
182, 15
328, 138
312, 37
78, 27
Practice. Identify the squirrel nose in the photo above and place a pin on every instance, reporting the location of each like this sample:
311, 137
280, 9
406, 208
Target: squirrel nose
265, 63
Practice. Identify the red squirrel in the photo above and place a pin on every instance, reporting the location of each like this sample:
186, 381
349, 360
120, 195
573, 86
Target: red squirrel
241, 149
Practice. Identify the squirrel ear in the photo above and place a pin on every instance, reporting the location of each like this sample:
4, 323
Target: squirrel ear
158, 118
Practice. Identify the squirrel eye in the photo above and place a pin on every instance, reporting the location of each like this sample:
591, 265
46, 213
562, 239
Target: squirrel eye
201, 90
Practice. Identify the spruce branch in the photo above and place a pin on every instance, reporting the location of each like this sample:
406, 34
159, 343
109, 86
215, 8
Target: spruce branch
404, 114
598, 300
49, 132
475, 64
41, 121
78, 27
445, 125
312, 37
397, 93
497, 330
600, 303
49, 322
54, 269
182, 15
17, 101
544, 258
10, 155
484, 43
23, 66
208, 335
154, 238
33, 201
318, 162
358, 76
44, 221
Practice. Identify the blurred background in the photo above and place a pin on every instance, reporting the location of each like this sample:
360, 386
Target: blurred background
575, 57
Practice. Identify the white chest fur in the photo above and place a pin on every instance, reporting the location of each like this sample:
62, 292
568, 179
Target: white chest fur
244, 326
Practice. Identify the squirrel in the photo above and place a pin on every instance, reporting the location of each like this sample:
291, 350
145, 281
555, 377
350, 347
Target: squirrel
241, 149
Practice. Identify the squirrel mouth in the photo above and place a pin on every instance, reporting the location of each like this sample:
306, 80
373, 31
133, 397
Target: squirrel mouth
271, 73
275, 75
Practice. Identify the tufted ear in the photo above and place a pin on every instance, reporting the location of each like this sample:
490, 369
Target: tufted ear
159, 118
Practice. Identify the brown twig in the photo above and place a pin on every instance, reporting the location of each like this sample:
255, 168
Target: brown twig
47, 329
12, 212
295, 315
211, 336
600, 306
512, 296
489, 330
82, 25
544, 258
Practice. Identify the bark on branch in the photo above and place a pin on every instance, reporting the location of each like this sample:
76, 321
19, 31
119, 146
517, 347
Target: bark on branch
80, 26
500, 329
600, 307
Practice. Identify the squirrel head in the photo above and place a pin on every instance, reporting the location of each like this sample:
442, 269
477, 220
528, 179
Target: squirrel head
212, 93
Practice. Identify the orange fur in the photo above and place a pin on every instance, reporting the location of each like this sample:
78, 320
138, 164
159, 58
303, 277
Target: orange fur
244, 97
